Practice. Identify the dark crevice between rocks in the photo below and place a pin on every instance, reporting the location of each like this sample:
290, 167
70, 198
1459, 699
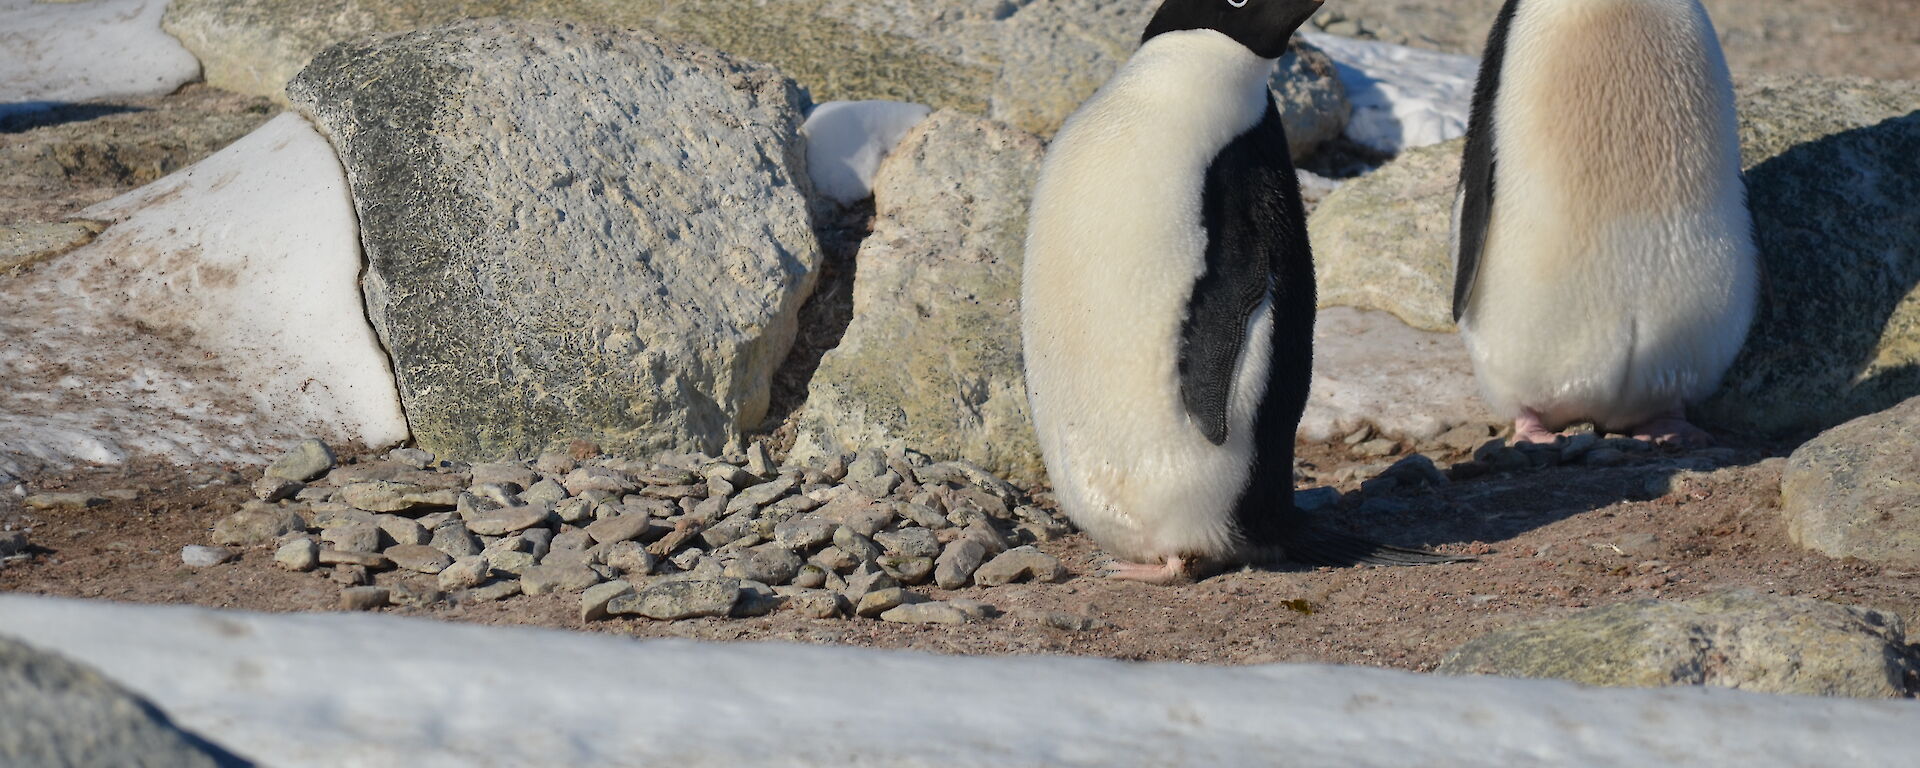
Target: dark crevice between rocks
20, 117
823, 320
1343, 158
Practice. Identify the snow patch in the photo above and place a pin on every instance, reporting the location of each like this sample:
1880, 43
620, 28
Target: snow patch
352, 690
64, 52
1371, 368
1402, 97
218, 319
846, 140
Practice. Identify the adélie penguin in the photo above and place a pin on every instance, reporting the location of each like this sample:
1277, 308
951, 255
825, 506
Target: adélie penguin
1167, 305
1605, 269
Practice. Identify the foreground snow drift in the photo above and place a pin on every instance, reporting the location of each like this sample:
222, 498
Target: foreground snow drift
348, 690
1402, 97
60, 52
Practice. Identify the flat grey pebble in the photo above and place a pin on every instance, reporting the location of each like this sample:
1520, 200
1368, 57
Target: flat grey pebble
196, 556
925, 613
1020, 564
363, 598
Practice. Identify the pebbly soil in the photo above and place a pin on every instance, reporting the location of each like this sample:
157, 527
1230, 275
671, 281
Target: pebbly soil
1549, 542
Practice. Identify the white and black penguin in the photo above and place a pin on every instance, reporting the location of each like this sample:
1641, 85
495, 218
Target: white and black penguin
1167, 304
1605, 269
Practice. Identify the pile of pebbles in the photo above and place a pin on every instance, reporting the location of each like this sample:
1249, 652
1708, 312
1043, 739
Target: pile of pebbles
675, 538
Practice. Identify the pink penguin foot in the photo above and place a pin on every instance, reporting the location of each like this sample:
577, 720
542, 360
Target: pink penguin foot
1527, 428
1173, 571
1672, 428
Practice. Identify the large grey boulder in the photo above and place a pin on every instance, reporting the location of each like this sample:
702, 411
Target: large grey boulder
1027, 63
54, 712
1835, 208
571, 232
1733, 639
1854, 491
931, 359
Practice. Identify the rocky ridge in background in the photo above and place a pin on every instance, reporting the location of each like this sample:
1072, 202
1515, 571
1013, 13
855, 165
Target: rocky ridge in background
1833, 224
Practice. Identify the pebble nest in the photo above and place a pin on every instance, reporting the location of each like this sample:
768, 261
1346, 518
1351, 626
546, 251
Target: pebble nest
677, 537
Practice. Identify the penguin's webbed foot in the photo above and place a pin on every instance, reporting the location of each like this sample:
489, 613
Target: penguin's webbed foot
1176, 570
1672, 428
1528, 428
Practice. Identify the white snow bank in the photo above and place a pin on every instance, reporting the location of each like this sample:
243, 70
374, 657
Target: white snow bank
1371, 368
370, 690
846, 140
1402, 97
217, 319
60, 52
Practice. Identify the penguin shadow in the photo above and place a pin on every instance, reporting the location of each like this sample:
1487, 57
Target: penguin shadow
1473, 504
1837, 222
23, 116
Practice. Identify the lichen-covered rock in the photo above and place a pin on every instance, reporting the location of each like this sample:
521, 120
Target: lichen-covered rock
555, 252
1827, 159
1733, 639
1854, 491
932, 357
58, 712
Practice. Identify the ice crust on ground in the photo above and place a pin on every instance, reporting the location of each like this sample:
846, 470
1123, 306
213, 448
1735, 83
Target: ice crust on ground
847, 140
218, 319
1402, 97
368, 690
64, 52
1371, 368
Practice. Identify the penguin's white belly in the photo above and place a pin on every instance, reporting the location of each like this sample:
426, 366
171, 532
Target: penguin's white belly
1115, 242
1619, 275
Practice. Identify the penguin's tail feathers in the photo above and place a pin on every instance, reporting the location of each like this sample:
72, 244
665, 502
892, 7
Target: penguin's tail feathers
1325, 548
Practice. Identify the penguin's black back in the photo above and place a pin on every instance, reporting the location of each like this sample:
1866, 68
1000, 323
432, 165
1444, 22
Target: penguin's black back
1477, 164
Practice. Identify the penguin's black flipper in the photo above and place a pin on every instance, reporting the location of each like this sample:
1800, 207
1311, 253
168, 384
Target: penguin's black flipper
1325, 548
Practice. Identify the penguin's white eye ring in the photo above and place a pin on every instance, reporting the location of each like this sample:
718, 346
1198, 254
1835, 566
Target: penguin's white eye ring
1237, 3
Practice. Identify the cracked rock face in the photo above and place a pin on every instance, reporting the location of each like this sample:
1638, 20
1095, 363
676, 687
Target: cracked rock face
558, 253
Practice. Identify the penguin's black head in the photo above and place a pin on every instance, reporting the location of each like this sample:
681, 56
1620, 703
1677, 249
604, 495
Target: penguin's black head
1263, 26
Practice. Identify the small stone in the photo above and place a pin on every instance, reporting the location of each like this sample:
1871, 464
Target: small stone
196, 556
414, 594
974, 609
515, 562
818, 603
256, 524
544, 492
675, 600
909, 542
413, 457
924, 516
1577, 445
369, 560
555, 463
351, 575
1020, 564
790, 506
504, 521
768, 563
624, 527
363, 598
832, 559
925, 613
388, 496
465, 573
593, 602
272, 489
880, 601
400, 530
759, 462
859, 547
762, 494
871, 519
544, 579
958, 562
1315, 499
989, 537
804, 532
357, 537
298, 555
810, 576
868, 578
492, 591
756, 599
419, 558
688, 559
501, 494
727, 531
63, 501
1464, 437
867, 464
877, 487
304, 462
630, 558
455, 539
574, 511
909, 570
494, 473
599, 479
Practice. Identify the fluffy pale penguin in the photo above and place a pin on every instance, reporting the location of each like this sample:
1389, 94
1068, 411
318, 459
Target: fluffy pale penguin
1167, 305
1605, 269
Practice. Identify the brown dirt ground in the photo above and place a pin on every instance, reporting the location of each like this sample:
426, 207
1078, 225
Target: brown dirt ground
1549, 542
